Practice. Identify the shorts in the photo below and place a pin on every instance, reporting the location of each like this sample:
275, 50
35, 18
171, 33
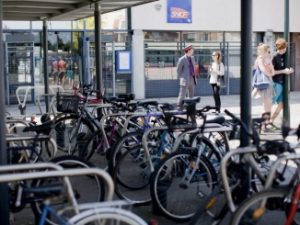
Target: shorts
278, 88
70, 74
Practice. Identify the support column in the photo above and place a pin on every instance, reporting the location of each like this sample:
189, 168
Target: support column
4, 197
138, 60
45, 63
246, 65
98, 49
129, 28
286, 87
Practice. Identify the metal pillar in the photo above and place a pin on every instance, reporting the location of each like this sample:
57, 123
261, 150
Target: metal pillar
129, 28
4, 197
246, 61
98, 50
45, 63
286, 106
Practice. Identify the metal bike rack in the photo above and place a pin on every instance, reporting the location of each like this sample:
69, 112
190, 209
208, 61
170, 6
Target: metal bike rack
59, 172
39, 92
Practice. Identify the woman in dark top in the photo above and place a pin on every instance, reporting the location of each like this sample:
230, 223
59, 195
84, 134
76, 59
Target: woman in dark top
278, 79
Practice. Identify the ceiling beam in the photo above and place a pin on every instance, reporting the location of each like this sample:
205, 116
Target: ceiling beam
32, 10
31, 4
62, 9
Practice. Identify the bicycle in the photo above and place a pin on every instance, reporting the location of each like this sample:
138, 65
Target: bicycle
190, 170
237, 180
283, 200
24, 148
132, 168
79, 133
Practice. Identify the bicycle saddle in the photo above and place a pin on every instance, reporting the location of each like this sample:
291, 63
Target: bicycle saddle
44, 128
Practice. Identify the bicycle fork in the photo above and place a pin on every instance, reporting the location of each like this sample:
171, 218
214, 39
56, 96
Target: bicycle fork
190, 171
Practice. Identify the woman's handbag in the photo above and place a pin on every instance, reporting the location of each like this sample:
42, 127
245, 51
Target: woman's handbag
260, 80
221, 81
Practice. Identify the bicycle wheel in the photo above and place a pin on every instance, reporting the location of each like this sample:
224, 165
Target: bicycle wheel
125, 143
86, 188
131, 176
107, 216
71, 133
48, 150
254, 211
212, 210
183, 172
94, 144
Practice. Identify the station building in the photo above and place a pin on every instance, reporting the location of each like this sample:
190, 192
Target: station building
141, 46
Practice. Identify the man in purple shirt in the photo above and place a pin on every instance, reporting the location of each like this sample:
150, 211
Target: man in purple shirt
186, 75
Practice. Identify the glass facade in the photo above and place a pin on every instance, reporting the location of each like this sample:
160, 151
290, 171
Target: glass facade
163, 56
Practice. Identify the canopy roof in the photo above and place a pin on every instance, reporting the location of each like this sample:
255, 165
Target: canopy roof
61, 9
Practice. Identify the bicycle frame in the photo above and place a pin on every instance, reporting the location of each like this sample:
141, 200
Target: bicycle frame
294, 198
48, 210
248, 159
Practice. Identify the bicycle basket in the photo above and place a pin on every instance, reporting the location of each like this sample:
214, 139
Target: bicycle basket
67, 103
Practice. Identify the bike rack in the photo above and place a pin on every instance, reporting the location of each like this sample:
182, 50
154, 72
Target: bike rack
39, 91
281, 158
136, 115
223, 170
102, 124
59, 172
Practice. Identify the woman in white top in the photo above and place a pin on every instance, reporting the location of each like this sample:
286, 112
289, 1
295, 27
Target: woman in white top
216, 71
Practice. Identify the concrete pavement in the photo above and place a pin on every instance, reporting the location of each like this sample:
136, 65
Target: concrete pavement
230, 102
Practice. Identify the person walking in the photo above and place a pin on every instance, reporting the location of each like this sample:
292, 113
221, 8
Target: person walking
280, 67
217, 72
263, 62
186, 74
62, 67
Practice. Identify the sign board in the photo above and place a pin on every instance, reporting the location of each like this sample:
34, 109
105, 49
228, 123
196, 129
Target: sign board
123, 61
179, 11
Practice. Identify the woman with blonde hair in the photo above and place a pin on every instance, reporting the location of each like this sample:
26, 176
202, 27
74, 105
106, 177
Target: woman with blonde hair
263, 62
216, 71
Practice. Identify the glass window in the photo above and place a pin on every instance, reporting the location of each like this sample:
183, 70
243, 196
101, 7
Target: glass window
161, 36
232, 36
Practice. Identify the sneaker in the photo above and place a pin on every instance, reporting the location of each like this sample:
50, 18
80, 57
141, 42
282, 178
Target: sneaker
270, 127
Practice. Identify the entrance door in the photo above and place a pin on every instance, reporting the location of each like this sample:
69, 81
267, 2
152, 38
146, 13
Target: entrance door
19, 68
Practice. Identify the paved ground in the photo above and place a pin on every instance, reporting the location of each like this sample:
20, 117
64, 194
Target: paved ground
231, 103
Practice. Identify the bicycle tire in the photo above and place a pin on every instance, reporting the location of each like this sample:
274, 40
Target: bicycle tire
250, 211
168, 179
68, 139
94, 144
106, 216
212, 210
87, 188
125, 143
131, 176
